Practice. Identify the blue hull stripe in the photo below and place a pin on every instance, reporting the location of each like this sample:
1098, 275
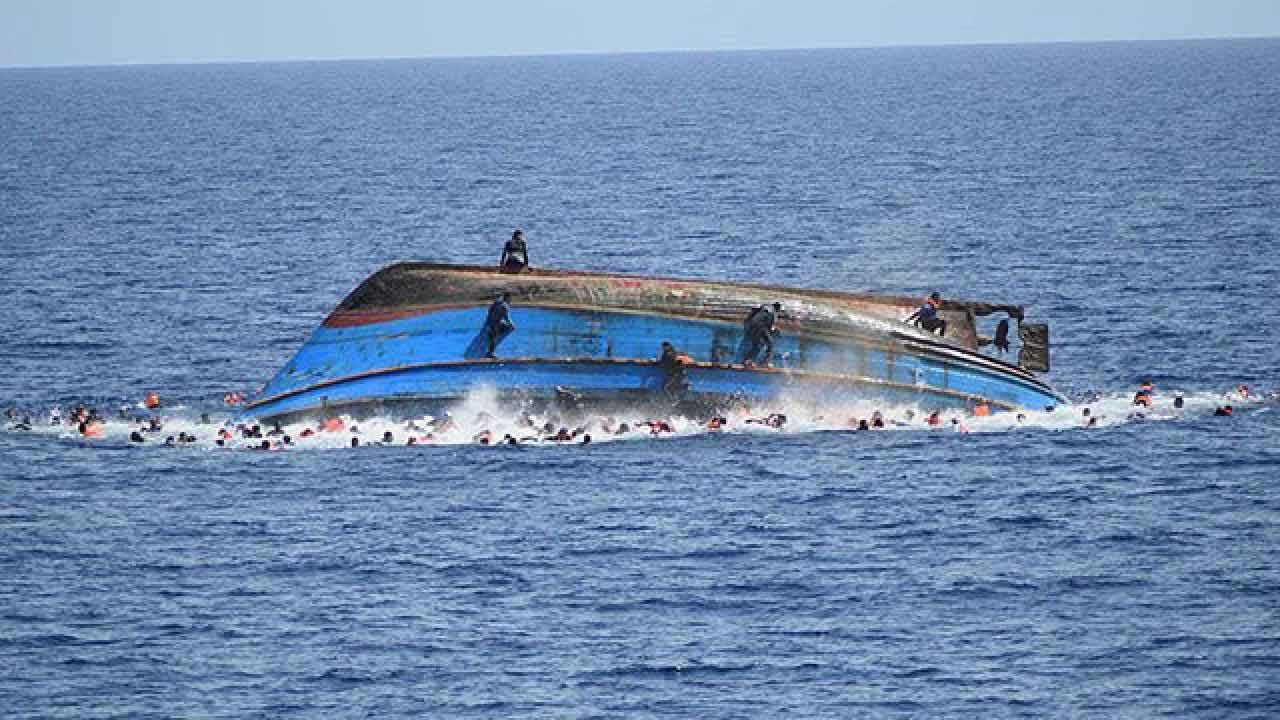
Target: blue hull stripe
427, 356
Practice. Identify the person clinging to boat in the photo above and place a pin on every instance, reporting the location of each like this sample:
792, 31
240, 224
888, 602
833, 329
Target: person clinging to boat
759, 329
497, 324
515, 254
673, 362
926, 316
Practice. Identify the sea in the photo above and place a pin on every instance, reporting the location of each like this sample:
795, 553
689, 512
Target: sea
182, 229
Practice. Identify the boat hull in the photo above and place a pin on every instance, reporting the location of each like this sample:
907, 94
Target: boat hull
420, 341
407, 391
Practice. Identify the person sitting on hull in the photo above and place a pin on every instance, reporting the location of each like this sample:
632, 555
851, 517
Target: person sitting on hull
497, 324
673, 363
759, 328
515, 254
926, 316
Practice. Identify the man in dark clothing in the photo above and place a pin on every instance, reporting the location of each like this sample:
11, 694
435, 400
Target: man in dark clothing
672, 362
1002, 336
515, 254
759, 330
927, 316
498, 325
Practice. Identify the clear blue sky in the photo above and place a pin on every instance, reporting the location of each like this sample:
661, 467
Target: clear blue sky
92, 32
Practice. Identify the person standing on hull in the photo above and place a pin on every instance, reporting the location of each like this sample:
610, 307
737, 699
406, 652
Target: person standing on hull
515, 254
926, 317
497, 324
759, 328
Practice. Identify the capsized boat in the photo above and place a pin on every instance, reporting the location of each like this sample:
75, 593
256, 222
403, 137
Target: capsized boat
413, 335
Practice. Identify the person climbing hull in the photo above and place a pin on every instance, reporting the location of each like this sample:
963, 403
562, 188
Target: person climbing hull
415, 334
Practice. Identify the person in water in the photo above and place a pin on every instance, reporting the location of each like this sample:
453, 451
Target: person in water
759, 329
926, 316
1145, 395
673, 362
515, 254
498, 325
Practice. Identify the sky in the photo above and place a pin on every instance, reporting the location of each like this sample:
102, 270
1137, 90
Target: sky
107, 32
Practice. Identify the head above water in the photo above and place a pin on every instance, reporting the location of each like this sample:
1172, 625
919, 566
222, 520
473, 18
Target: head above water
517, 235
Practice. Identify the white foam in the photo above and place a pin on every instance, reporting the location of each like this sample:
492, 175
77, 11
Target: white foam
481, 411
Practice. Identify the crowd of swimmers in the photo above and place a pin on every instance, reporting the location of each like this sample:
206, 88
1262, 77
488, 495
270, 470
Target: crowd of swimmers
150, 428
1144, 399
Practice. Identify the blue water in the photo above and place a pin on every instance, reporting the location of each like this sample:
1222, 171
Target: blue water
183, 229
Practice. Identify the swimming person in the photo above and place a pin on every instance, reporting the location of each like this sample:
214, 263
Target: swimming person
1145, 394
759, 329
515, 254
926, 316
498, 325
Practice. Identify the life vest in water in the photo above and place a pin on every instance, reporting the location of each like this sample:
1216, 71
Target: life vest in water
152, 401
981, 410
